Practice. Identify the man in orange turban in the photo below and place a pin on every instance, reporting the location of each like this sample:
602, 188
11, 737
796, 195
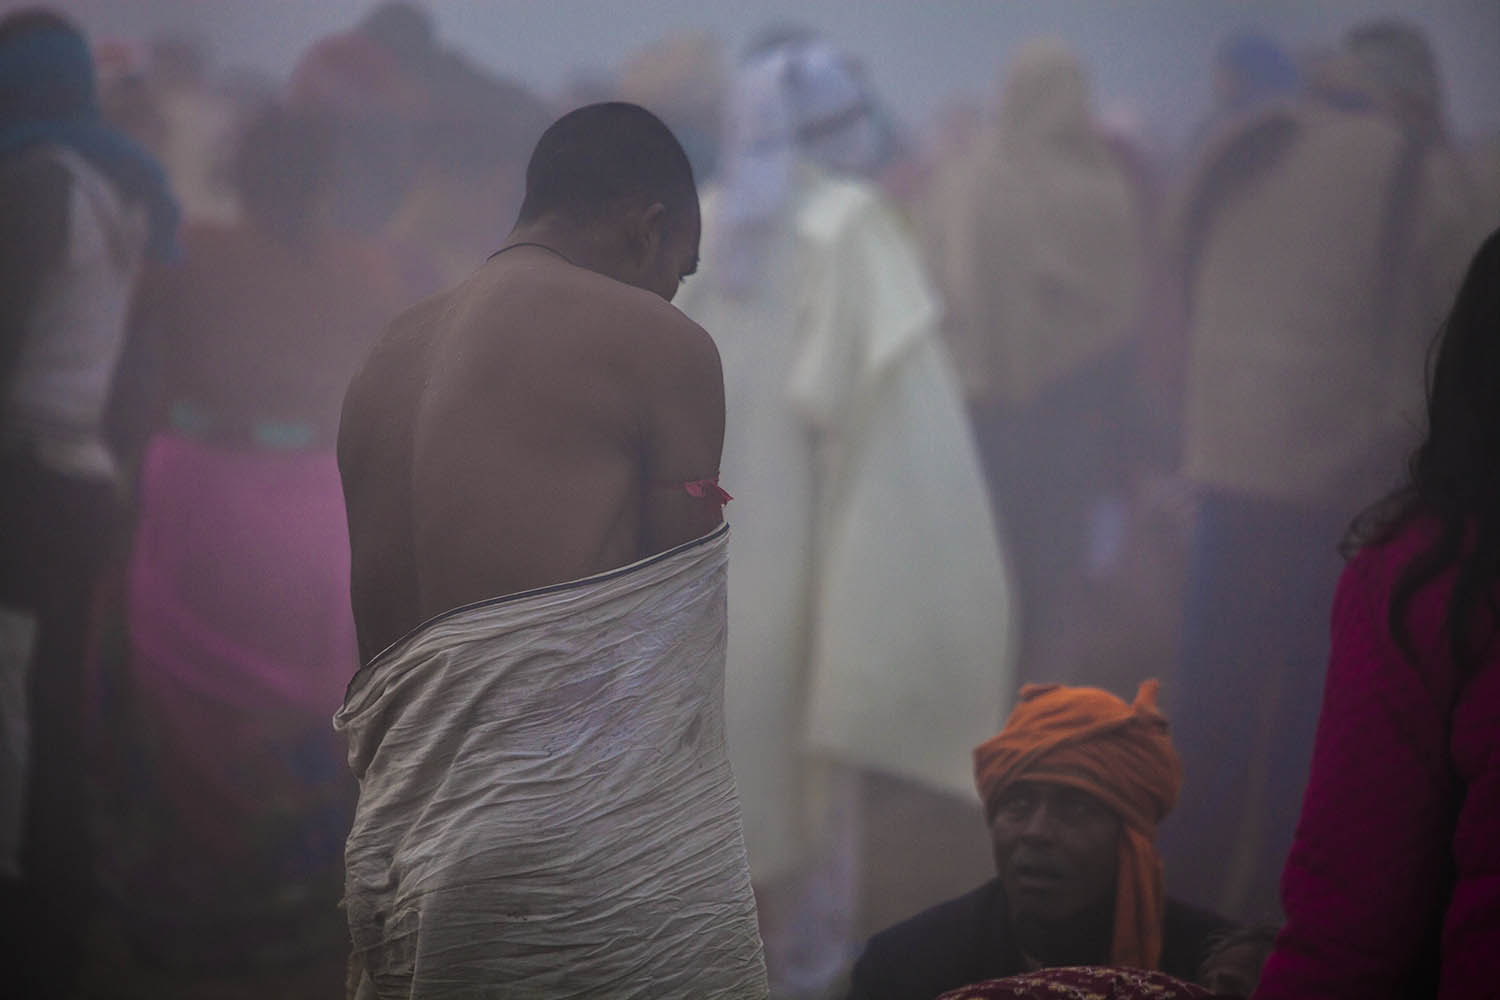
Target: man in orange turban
1073, 787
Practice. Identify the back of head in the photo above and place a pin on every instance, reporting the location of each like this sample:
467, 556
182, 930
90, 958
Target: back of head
684, 79
403, 29
46, 69
1458, 465
601, 157
1454, 477
1045, 96
1398, 62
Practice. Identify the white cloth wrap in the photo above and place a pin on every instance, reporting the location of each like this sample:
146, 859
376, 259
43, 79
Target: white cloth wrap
546, 807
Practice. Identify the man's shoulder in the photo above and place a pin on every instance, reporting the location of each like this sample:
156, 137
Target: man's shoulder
951, 923
942, 947
1188, 934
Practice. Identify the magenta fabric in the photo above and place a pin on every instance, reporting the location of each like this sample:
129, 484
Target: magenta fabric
1392, 888
241, 641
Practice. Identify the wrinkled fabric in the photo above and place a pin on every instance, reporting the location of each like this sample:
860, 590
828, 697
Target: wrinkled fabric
1119, 753
546, 808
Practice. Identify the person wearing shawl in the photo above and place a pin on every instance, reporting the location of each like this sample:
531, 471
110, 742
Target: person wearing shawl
1074, 787
1037, 238
870, 624
1318, 244
81, 206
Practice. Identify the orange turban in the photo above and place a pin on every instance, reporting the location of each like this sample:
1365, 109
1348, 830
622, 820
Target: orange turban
1120, 754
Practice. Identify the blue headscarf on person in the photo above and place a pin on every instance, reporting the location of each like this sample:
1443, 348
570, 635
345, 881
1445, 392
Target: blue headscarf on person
1261, 68
48, 96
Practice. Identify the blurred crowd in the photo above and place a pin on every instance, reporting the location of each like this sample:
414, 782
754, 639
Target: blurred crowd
1184, 372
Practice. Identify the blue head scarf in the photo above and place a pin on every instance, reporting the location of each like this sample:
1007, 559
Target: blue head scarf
1262, 68
47, 96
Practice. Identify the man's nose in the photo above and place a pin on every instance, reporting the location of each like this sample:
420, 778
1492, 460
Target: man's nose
1040, 823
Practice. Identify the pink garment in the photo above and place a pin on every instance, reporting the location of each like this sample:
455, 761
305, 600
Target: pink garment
241, 643
1392, 888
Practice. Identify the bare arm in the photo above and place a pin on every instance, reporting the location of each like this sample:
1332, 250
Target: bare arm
683, 432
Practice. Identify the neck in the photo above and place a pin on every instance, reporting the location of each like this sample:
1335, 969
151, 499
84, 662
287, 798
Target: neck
1082, 939
584, 249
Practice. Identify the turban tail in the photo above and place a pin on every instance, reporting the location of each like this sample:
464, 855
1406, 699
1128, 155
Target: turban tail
1120, 754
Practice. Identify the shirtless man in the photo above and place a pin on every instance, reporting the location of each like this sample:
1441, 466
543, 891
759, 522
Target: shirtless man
523, 428
530, 467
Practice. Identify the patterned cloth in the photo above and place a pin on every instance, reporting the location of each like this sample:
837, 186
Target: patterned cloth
1084, 983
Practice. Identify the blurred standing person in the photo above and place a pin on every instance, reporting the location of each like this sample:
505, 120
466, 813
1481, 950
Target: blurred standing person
471, 147
869, 626
1251, 70
367, 80
1392, 888
1319, 242
228, 801
199, 122
80, 207
683, 79
1043, 264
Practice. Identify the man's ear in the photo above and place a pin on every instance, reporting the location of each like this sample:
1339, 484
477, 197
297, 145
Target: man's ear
653, 228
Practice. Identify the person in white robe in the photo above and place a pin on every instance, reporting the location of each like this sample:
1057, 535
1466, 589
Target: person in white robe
870, 614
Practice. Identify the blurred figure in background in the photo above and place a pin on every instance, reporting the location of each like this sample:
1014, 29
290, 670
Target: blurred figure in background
1250, 70
228, 802
1392, 888
201, 124
870, 624
367, 80
683, 79
1043, 264
471, 147
1319, 241
81, 206
430, 148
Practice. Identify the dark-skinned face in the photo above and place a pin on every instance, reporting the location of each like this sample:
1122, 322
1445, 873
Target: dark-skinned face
1055, 849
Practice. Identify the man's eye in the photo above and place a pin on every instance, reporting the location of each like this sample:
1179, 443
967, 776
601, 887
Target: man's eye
1016, 805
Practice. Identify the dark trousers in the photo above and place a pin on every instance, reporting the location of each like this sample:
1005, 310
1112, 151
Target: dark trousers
55, 532
1244, 705
1047, 463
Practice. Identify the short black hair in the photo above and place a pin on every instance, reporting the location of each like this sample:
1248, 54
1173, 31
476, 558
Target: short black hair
592, 159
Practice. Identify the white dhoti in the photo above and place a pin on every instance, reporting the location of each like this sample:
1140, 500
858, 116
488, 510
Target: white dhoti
546, 808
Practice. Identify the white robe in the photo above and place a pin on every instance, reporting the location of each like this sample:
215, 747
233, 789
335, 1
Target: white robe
546, 808
870, 616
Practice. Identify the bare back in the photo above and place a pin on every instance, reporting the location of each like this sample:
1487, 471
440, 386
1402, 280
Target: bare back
517, 432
